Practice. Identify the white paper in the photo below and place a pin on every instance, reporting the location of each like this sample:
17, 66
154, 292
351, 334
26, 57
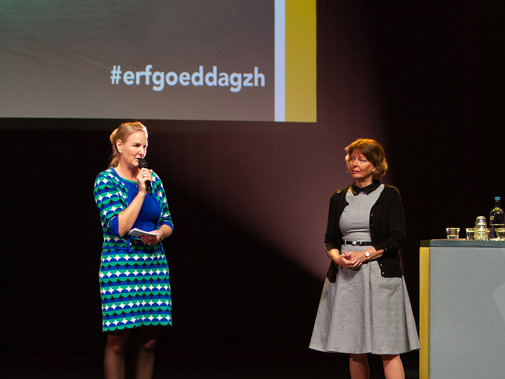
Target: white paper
137, 232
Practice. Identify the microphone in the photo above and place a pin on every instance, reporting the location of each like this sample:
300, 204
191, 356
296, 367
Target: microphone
149, 187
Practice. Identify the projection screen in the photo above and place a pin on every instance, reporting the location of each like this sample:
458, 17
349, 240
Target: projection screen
244, 60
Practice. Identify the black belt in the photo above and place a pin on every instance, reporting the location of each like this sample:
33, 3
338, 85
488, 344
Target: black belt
358, 243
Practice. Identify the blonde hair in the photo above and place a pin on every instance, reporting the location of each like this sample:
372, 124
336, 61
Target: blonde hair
122, 133
373, 151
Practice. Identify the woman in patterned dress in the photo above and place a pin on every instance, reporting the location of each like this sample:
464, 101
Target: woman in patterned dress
134, 282
365, 307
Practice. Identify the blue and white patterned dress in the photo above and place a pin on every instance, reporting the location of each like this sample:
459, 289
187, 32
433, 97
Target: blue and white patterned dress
134, 277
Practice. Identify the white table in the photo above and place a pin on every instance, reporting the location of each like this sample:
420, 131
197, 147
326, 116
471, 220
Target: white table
462, 309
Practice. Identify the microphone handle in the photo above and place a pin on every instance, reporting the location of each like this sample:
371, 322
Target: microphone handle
149, 187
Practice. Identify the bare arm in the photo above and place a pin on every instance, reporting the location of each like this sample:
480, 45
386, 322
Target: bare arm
163, 232
344, 260
127, 217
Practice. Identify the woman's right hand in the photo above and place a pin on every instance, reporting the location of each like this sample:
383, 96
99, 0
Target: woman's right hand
128, 216
143, 176
344, 259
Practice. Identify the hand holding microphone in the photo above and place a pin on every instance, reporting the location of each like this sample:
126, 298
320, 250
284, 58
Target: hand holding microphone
143, 164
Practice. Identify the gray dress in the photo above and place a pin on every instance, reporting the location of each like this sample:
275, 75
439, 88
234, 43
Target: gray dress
363, 312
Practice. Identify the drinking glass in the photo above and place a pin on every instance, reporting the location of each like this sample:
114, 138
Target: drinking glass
452, 233
500, 234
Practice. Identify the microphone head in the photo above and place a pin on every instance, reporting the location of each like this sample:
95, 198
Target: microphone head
142, 163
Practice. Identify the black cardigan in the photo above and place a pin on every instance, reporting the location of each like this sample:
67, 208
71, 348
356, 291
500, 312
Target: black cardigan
387, 227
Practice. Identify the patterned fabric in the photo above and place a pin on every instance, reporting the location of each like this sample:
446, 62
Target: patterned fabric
134, 278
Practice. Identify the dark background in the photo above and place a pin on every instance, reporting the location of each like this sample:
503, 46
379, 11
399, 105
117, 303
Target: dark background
249, 200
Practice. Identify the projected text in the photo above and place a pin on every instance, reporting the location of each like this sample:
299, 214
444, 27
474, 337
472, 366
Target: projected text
158, 79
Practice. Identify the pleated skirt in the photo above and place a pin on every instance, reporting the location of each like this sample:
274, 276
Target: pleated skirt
363, 312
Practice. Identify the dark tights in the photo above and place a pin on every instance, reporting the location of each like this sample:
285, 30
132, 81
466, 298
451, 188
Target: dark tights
115, 351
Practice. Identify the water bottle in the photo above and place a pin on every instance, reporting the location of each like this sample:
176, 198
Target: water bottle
495, 217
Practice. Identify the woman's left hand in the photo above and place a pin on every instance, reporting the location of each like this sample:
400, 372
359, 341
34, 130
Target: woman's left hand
152, 240
360, 256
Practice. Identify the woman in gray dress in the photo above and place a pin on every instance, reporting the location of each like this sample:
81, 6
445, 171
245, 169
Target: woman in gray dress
365, 307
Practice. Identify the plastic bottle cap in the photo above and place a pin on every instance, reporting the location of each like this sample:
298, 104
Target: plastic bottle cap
497, 198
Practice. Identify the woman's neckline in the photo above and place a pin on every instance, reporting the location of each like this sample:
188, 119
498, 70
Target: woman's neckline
123, 178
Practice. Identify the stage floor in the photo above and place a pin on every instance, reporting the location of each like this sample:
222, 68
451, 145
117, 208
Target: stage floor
321, 366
